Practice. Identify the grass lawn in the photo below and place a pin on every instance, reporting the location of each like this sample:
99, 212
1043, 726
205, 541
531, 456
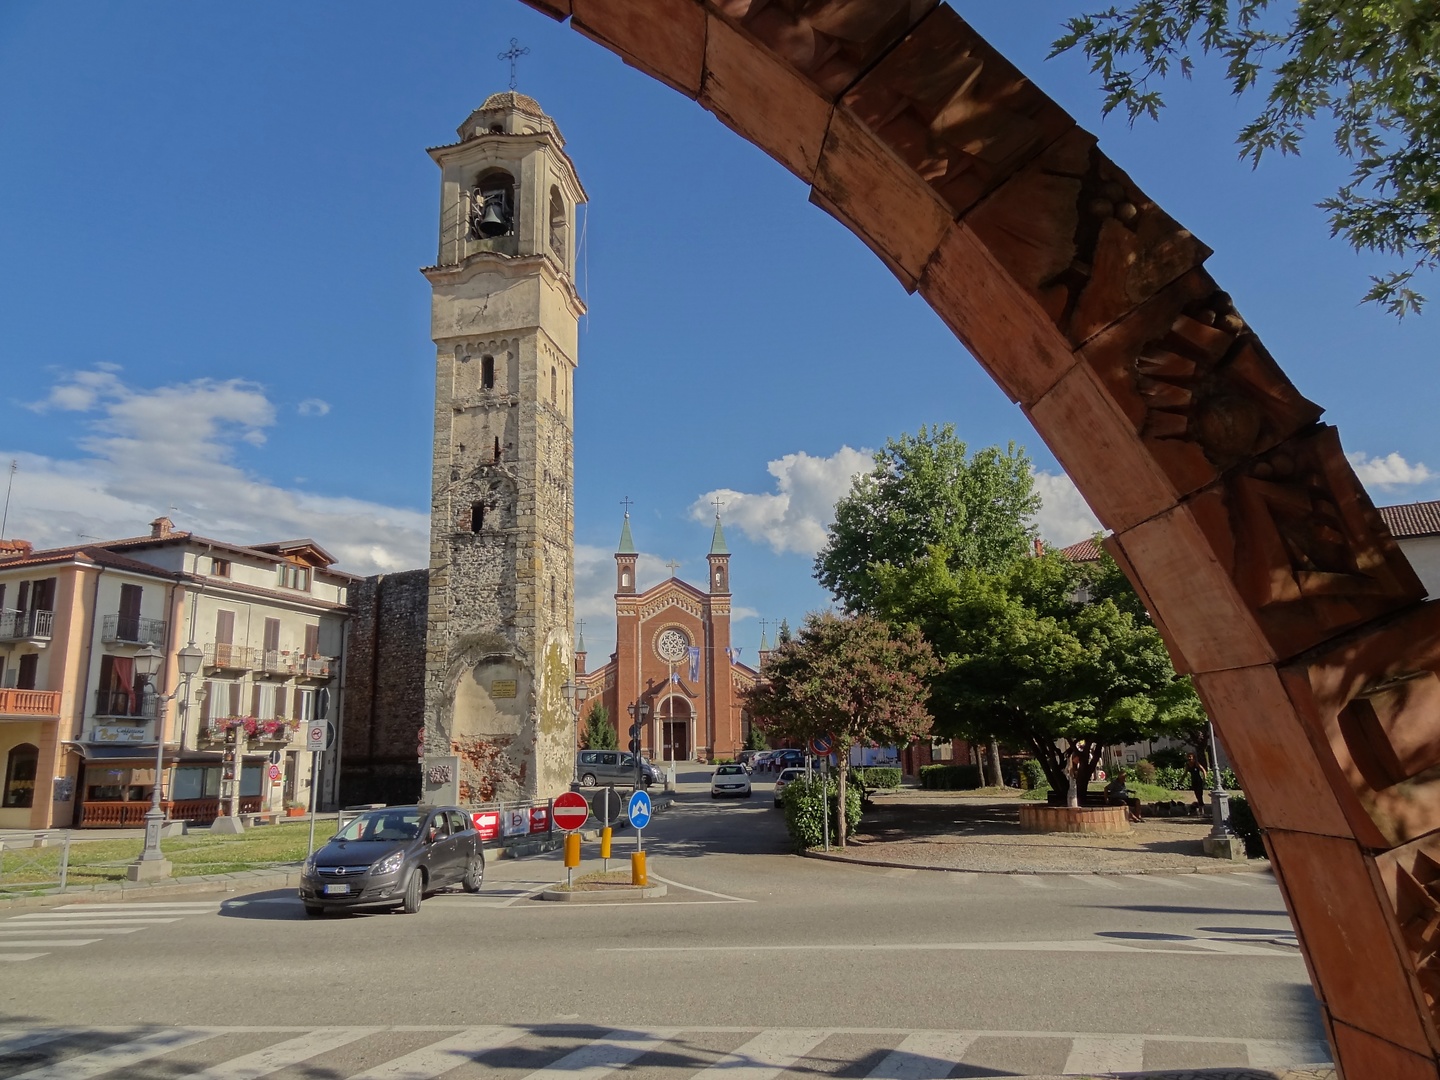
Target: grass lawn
96, 861
1146, 793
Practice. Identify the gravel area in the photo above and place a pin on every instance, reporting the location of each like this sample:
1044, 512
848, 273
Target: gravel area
949, 831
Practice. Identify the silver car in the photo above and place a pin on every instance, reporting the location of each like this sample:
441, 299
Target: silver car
786, 777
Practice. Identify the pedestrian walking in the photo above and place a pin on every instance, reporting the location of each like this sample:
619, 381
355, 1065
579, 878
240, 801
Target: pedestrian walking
1198, 776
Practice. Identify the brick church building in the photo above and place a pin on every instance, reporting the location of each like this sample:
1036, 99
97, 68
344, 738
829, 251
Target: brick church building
673, 657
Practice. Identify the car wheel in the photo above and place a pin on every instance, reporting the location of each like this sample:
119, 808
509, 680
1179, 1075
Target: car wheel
778, 804
315, 909
714, 794
747, 794
413, 887
588, 780
474, 875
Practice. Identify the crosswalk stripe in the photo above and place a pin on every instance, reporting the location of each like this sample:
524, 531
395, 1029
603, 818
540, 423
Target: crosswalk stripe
76, 919
48, 943
1032, 881
1269, 1054
119, 1056
86, 929
17, 957
764, 1057
612, 1051
1094, 881
284, 1054
1110, 1053
439, 1058
204, 905
923, 1055
13, 1044
1159, 879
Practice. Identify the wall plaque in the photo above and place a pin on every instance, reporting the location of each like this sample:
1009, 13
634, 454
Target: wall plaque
503, 688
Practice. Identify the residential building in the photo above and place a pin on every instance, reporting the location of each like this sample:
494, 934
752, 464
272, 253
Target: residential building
78, 729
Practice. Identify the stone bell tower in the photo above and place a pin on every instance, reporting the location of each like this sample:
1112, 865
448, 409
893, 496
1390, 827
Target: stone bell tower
504, 317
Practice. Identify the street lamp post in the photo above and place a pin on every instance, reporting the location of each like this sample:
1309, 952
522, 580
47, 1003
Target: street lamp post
638, 711
576, 694
1219, 797
153, 864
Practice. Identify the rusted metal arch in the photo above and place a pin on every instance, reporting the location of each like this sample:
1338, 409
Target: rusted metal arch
1233, 509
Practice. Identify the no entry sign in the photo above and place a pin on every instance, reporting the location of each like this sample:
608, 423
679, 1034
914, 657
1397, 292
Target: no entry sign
571, 810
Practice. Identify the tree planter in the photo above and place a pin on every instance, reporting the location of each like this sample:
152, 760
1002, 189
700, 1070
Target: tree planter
1074, 819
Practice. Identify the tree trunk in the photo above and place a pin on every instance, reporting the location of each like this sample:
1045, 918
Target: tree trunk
995, 763
842, 771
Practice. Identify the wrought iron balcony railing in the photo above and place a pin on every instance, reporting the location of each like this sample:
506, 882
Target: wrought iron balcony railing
26, 625
120, 703
133, 629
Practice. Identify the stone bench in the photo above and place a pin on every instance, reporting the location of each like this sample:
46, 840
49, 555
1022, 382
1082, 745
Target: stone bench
1037, 817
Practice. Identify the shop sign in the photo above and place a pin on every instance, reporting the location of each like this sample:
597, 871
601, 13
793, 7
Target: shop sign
110, 733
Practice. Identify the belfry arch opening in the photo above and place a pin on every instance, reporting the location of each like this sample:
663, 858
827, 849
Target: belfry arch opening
1230, 506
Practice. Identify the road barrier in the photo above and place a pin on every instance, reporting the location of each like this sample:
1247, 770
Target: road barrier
25, 862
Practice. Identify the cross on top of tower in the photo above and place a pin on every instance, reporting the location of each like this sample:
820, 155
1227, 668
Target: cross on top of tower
513, 54
719, 505
673, 565
625, 502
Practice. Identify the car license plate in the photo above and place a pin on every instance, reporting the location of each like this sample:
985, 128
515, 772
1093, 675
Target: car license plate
337, 890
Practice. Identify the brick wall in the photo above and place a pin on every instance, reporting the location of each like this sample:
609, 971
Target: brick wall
385, 690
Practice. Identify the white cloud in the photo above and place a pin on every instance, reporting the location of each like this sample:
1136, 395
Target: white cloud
595, 594
1392, 470
795, 516
1064, 516
313, 407
148, 449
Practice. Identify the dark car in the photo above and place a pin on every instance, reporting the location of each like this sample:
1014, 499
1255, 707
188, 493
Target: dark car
393, 857
614, 767
787, 759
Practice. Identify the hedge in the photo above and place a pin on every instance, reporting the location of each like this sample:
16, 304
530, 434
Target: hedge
1244, 825
876, 777
802, 799
950, 777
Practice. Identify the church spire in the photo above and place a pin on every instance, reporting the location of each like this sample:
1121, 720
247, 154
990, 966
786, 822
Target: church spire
627, 543
717, 541
626, 557
719, 557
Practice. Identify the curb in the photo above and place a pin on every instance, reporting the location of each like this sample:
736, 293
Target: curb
245, 881
1250, 867
1241, 1072
648, 892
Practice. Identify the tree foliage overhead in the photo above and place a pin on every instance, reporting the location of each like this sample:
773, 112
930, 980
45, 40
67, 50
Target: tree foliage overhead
849, 678
924, 493
1369, 67
1036, 655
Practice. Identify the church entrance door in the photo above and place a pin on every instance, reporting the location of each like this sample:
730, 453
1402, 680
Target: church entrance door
677, 740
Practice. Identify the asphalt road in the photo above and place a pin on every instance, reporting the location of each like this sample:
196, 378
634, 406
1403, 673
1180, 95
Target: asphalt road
756, 964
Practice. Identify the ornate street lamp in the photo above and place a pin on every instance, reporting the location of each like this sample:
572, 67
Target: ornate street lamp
148, 661
576, 694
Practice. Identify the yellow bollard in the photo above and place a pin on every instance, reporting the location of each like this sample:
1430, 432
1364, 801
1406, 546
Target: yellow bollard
637, 869
605, 842
572, 850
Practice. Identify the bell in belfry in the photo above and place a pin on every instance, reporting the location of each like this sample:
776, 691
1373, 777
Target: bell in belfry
494, 221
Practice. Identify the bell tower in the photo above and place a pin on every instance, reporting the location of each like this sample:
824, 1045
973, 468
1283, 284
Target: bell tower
504, 318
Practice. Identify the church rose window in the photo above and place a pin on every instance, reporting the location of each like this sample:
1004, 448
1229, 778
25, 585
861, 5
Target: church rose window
673, 646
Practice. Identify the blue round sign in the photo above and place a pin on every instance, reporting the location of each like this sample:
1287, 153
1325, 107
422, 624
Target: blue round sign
639, 810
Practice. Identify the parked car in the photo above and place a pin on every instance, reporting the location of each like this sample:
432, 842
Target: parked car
787, 759
394, 857
783, 780
614, 767
730, 780
747, 758
761, 761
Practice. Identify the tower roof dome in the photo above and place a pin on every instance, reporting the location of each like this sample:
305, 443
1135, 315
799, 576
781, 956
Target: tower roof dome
513, 99
508, 113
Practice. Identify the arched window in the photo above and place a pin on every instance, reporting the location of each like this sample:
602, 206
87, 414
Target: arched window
21, 768
552, 385
492, 206
559, 227
625, 579
477, 516
497, 447
487, 373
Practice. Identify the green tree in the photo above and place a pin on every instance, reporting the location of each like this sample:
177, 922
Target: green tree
925, 493
1371, 67
755, 738
1026, 659
599, 733
851, 678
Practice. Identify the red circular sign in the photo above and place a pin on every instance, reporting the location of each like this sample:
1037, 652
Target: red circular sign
571, 810
274, 772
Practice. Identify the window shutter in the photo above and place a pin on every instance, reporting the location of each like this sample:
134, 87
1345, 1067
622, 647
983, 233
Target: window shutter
22, 604
255, 699
234, 699
207, 704
312, 639
295, 713
130, 601
225, 628
272, 635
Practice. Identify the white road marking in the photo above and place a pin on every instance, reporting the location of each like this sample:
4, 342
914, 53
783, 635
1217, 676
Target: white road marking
1266, 1053
203, 905
443, 1056
13, 1044
765, 1056
707, 892
23, 921
1031, 880
925, 1055
1095, 881
283, 1055
612, 1051
86, 929
1168, 880
47, 943
120, 1055
1108, 1053
17, 957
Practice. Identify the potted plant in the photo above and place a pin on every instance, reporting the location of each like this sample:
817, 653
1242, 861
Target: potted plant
294, 808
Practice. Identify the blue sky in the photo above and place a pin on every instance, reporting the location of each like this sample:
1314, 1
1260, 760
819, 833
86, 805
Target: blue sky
214, 215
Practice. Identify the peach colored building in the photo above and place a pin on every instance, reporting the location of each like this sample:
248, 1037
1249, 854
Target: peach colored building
78, 728
673, 654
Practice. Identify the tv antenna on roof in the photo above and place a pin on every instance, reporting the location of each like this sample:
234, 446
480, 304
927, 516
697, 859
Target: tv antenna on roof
5, 517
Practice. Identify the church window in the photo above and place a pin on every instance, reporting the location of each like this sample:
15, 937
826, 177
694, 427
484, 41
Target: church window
625, 579
552, 385
487, 373
552, 594
492, 206
559, 225
477, 516
497, 447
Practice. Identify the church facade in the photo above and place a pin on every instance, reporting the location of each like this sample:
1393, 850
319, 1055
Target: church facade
673, 662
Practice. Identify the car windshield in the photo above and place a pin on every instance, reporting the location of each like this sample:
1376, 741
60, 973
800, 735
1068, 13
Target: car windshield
790, 774
728, 770
383, 825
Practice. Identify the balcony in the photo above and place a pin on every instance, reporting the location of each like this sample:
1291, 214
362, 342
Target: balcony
232, 657
26, 703
316, 667
117, 703
132, 629
26, 625
281, 663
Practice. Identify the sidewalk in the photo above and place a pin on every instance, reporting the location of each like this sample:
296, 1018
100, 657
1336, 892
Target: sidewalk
948, 830
1303, 1072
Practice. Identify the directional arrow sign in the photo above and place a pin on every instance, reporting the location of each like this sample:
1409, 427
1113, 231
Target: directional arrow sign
571, 810
638, 811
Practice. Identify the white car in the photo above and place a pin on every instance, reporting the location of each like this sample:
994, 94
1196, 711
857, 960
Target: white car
781, 781
730, 780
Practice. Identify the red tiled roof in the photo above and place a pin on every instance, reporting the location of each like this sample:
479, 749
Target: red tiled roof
1412, 519
1084, 551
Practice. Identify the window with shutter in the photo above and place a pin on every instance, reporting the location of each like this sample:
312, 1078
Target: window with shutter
234, 699
312, 639
255, 699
